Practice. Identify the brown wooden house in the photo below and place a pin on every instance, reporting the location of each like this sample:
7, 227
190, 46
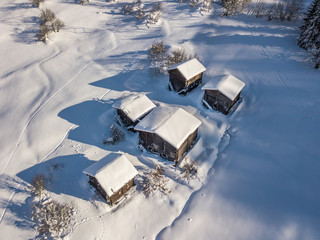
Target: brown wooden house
222, 93
133, 108
112, 176
185, 76
168, 131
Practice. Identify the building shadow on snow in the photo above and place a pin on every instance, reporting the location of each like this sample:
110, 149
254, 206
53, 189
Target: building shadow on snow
63, 175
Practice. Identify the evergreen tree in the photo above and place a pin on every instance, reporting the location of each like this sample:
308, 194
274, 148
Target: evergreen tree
310, 26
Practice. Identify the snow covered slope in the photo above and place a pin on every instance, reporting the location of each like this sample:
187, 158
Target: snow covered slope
56, 106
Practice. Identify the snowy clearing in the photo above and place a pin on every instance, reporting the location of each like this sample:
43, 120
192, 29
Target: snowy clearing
258, 175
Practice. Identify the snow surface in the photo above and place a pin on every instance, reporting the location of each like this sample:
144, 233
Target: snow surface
135, 106
172, 124
189, 68
229, 85
258, 167
112, 172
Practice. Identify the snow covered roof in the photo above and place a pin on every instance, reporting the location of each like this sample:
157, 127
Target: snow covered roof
189, 68
229, 85
172, 124
135, 106
112, 172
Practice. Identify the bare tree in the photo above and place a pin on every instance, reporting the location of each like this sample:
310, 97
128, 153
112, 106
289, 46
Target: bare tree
155, 181
37, 2
38, 184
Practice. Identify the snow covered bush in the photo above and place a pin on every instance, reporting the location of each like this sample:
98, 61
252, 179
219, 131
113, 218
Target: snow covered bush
83, 2
206, 5
161, 58
178, 55
155, 13
140, 14
309, 38
158, 57
116, 135
127, 9
232, 7
38, 184
190, 169
194, 3
155, 181
37, 2
52, 219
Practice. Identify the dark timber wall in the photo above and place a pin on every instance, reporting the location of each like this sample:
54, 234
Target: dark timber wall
219, 101
179, 83
116, 196
153, 143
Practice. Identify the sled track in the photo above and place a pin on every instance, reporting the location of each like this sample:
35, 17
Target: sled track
284, 80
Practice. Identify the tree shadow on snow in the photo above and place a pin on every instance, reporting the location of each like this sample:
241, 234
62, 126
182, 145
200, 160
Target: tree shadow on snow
63, 175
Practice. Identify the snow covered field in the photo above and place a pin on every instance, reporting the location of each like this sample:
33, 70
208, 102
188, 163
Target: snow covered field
56, 107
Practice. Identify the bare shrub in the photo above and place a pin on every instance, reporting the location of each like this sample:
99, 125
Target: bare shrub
285, 10
259, 9
46, 16
116, 135
56, 25
38, 184
52, 219
37, 2
48, 23
44, 31
155, 181
83, 2
190, 169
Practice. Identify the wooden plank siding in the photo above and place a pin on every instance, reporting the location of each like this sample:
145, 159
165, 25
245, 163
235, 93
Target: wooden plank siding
179, 83
219, 101
124, 118
153, 143
114, 197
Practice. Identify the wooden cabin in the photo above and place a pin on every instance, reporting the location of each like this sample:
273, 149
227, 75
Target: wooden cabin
222, 93
168, 131
185, 76
112, 176
132, 109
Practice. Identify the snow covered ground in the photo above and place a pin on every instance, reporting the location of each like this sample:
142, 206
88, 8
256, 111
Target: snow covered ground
56, 107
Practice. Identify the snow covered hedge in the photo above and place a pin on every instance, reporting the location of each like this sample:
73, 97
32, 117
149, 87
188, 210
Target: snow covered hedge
52, 218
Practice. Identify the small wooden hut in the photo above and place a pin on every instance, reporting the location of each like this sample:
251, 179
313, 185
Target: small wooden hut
112, 176
133, 108
222, 93
185, 76
168, 131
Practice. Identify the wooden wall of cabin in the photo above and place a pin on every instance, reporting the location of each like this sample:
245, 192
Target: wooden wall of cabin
153, 143
93, 181
124, 118
217, 100
194, 82
186, 144
178, 82
118, 194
